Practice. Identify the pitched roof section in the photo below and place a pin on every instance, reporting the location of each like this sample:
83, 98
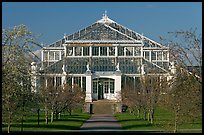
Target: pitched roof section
107, 29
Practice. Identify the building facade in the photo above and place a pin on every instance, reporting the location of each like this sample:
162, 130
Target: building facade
100, 59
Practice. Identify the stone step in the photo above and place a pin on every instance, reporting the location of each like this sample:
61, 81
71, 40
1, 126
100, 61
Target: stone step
104, 107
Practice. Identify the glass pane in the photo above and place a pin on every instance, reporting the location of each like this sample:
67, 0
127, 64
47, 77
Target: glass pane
85, 51
112, 87
159, 55
120, 51
69, 51
153, 55
111, 51
129, 51
78, 51
58, 81
95, 50
137, 51
95, 84
106, 87
103, 51
56, 55
164, 55
45, 56
51, 55
146, 55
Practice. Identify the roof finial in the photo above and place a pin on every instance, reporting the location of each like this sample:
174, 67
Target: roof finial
105, 13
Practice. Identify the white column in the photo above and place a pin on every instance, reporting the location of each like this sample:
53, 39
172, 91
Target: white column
82, 51
63, 80
55, 81
65, 51
133, 51
99, 51
117, 87
134, 82
54, 55
89, 87
73, 54
90, 51
116, 51
124, 51
107, 51
42, 55
48, 57
46, 82
60, 55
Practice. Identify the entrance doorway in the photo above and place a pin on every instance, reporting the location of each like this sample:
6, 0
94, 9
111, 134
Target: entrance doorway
100, 91
103, 88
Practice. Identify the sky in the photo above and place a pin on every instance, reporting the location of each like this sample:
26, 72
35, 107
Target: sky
51, 20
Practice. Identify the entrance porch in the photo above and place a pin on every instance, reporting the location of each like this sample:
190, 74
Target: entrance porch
103, 85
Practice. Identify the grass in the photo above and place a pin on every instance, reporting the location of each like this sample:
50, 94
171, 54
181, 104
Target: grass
162, 116
66, 122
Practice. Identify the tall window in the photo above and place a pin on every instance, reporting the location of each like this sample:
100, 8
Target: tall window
57, 55
86, 51
120, 51
95, 50
111, 51
69, 51
103, 51
111, 86
51, 55
58, 81
165, 55
95, 85
129, 51
77, 81
69, 80
137, 51
153, 55
45, 56
78, 51
146, 55
159, 55
106, 86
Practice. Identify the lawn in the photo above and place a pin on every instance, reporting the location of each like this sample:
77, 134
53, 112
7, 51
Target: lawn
131, 122
66, 122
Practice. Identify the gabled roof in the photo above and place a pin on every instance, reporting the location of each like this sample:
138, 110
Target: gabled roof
106, 29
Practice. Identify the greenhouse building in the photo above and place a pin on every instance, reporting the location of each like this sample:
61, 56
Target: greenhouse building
101, 59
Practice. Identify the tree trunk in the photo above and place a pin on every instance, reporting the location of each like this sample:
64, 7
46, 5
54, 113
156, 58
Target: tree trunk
152, 116
52, 116
148, 116
38, 111
46, 117
9, 127
9, 124
145, 115
57, 115
22, 123
138, 113
175, 122
70, 112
